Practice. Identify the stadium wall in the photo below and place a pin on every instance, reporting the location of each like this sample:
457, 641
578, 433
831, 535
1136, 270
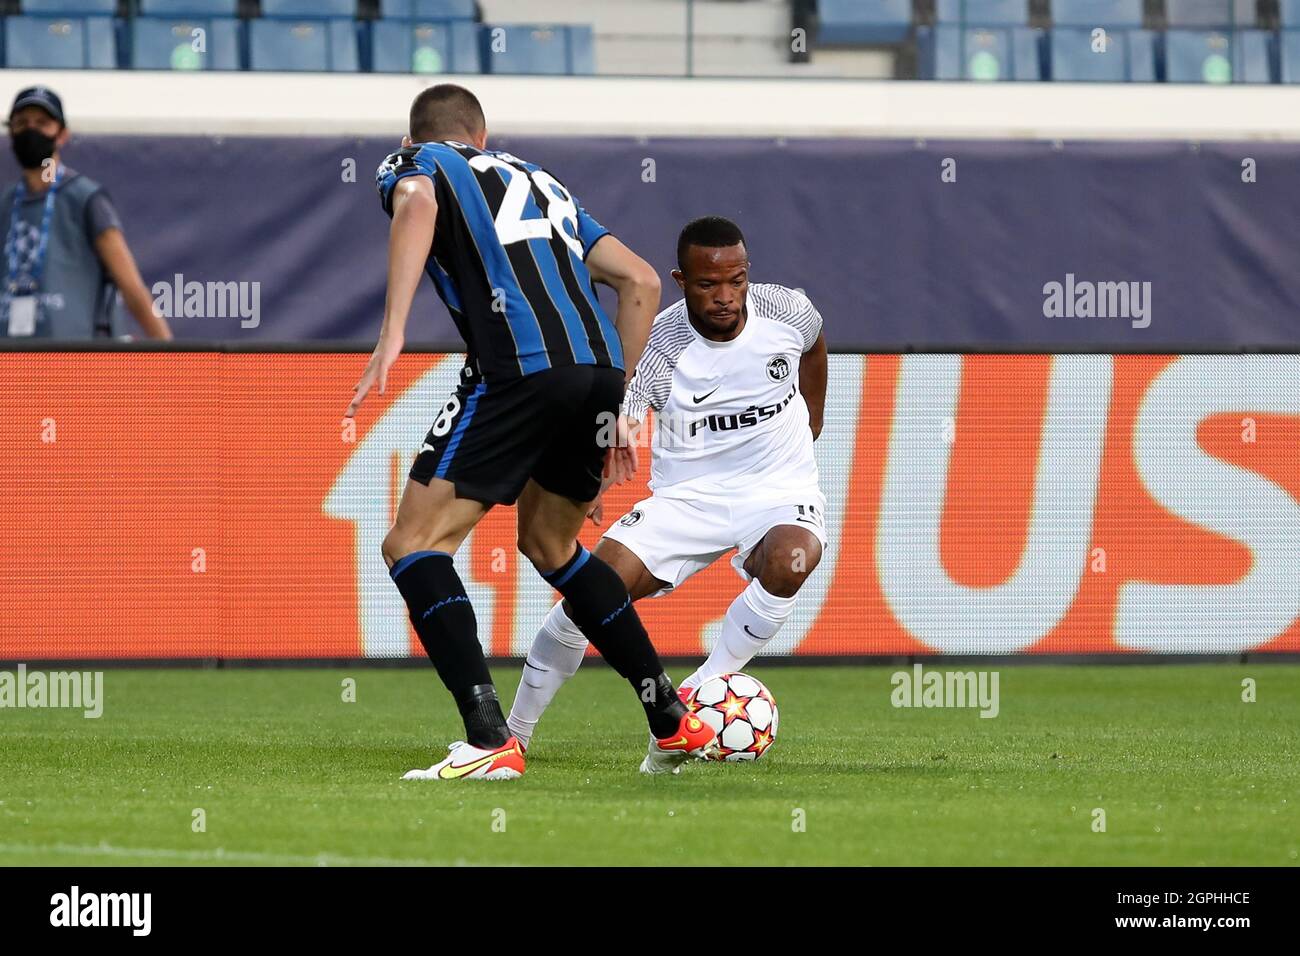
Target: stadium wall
900, 243
213, 503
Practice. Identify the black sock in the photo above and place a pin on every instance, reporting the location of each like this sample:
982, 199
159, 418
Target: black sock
445, 623
481, 711
598, 603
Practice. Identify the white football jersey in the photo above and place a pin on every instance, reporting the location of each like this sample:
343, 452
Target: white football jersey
730, 419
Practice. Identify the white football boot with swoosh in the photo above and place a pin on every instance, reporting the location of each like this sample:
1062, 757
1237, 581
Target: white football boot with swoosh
464, 762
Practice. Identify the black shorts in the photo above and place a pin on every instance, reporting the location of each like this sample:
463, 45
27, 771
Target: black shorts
552, 426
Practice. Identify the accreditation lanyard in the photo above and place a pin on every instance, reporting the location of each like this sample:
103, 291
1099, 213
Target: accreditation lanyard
15, 223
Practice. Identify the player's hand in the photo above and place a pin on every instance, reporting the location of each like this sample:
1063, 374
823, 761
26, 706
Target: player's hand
376, 372
597, 511
623, 461
606, 480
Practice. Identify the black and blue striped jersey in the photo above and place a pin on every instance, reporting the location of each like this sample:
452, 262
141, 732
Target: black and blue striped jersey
508, 259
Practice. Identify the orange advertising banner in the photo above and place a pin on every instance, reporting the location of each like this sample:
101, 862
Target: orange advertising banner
217, 505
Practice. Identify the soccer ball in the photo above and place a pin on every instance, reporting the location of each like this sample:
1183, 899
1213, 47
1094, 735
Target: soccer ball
741, 710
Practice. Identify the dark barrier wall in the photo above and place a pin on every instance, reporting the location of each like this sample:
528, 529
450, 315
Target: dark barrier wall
946, 244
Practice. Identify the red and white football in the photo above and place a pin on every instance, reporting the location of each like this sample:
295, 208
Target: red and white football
742, 711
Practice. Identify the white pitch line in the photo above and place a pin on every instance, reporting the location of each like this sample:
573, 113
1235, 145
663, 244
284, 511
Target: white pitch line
219, 855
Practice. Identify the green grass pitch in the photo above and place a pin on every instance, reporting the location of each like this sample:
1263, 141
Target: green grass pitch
286, 772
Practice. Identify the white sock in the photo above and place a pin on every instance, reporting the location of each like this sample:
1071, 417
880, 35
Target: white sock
554, 657
755, 609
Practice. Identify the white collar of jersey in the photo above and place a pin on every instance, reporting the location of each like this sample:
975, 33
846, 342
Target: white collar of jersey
729, 343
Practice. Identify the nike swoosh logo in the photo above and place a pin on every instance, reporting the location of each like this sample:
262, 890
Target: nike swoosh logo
452, 772
425, 447
700, 398
745, 628
673, 744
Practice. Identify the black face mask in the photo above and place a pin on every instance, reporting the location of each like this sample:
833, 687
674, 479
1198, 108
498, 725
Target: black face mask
32, 147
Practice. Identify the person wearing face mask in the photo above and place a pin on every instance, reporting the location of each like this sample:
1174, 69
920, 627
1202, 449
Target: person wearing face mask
65, 257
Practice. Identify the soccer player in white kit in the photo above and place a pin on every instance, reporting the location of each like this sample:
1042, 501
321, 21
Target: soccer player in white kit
736, 374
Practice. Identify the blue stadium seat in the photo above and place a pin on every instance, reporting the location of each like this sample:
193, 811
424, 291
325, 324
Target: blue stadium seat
403, 46
520, 48
292, 45
1215, 56
582, 51
159, 43
1129, 57
1143, 55
851, 21
1289, 54
65, 43
66, 8
983, 13
1289, 13
315, 9
427, 9
977, 53
1096, 13
189, 8
1210, 13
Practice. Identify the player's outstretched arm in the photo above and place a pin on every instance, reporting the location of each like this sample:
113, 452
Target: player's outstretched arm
637, 284
812, 382
415, 210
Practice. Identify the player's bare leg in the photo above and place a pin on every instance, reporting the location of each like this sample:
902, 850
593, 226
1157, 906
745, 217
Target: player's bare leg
779, 565
602, 608
784, 558
431, 524
636, 577
559, 646
430, 518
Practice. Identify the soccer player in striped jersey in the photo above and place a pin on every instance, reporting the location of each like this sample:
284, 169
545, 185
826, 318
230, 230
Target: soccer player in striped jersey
513, 255
736, 373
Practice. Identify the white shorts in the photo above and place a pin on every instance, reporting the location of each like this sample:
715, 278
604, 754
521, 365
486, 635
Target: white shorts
676, 537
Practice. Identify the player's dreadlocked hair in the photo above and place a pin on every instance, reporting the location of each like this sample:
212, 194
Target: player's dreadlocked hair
712, 232
445, 111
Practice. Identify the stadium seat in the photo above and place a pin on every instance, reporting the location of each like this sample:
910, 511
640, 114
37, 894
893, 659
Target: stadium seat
850, 21
1096, 13
401, 46
1289, 55
582, 51
427, 9
64, 43
1211, 56
1289, 13
953, 53
159, 43
67, 8
983, 13
1130, 56
1143, 56
292, 45
315, 9
519, 48
1221, 14
189, 8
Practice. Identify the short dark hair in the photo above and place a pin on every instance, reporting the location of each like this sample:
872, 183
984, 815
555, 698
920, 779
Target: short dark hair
445, 111
712, 232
